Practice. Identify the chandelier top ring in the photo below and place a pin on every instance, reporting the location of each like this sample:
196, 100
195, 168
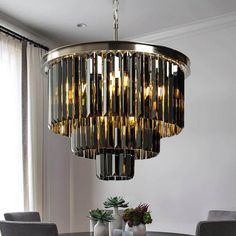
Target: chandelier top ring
107, 46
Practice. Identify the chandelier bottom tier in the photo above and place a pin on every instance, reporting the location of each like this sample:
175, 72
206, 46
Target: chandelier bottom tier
116, 100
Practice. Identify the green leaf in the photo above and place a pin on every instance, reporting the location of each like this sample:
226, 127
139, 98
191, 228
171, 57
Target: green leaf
100, 215
115, 202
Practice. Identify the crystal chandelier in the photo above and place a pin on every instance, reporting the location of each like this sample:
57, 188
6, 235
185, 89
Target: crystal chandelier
116, 100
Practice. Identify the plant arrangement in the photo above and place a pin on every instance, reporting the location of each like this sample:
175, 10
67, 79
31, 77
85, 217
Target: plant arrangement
115, 202
138, 215
100, 215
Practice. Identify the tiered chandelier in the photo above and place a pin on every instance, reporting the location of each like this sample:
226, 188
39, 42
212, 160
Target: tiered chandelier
116, 100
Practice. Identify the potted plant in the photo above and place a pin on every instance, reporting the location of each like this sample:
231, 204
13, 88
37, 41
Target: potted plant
102, 218
115, 202
92, 219
137, 218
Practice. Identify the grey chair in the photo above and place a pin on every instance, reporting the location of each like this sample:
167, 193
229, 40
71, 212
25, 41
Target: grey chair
216, 228
219, 223
221, 215
15, 228
31, 216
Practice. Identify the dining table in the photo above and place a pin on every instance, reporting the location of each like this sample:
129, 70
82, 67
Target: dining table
151, 233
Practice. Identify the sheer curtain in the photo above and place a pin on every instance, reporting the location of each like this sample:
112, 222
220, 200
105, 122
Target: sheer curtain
11, 173
22, 125
35, 129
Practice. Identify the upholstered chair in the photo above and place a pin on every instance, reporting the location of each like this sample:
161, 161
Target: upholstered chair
31, 216
16, 228
219, 223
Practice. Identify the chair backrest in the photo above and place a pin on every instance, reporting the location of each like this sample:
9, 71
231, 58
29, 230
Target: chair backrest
31, 216
10, 228
216, 228
221, 215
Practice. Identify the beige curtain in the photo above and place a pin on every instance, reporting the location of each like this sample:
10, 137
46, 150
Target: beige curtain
33, 162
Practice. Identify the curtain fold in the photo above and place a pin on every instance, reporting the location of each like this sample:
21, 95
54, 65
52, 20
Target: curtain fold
24, 99
33, 165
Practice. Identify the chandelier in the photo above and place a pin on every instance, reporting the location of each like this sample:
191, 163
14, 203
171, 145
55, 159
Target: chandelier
116, 100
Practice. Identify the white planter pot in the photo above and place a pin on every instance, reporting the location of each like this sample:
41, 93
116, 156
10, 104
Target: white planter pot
117, 223
101, 229
127, 228
139, 230
92, 223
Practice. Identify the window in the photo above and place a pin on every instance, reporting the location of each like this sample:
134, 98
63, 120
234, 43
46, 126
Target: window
11, 167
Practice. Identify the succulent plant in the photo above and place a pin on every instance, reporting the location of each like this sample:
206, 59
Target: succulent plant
100, 215
92, 214
138, 215
147, 219
115, 202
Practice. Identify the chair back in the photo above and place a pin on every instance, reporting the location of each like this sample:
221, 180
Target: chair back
10, 228
221, 215
31, 216
216, 228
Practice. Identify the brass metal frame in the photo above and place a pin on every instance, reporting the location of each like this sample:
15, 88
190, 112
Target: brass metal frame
75, 49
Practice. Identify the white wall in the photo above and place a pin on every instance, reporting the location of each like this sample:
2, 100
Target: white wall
195, 171
18, 27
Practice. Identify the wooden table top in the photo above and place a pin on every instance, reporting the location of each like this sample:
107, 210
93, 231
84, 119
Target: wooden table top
148, 234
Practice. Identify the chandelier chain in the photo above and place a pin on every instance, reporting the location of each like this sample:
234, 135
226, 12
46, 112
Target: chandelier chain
115, 18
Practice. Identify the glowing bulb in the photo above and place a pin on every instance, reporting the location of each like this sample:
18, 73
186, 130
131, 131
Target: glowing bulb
125, 82
124, 130
70, 96
177, 93
154, 106
147, 92
112, 83
83, 88
62, 129
131, 121
161, 92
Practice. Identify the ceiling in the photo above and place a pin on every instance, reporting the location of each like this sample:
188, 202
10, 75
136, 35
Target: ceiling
57, 19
